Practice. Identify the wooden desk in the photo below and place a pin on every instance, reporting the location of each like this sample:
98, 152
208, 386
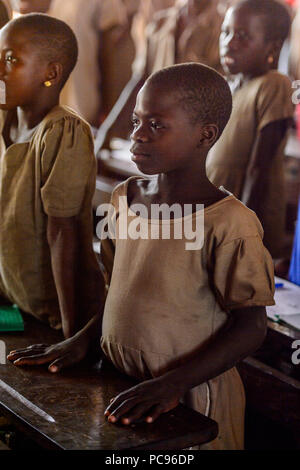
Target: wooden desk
272, 382
76, 399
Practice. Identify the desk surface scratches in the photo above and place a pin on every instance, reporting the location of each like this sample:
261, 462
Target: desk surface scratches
76, 399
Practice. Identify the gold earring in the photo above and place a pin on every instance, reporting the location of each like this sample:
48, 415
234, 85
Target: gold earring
47, 83
270, 59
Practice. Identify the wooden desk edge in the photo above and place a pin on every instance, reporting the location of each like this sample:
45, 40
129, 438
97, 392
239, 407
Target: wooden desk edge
29, 430
47, 443
210, 434
199, 430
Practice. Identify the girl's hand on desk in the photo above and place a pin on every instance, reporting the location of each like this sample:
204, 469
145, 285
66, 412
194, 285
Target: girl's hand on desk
59, 355
144, 402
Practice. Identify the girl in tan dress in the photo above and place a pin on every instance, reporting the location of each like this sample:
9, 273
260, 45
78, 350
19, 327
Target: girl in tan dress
47, 178
106, 50
178, 317
248, 158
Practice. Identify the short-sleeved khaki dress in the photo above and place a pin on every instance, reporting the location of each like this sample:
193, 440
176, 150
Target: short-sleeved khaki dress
259, 102
198, 42
52, 174
165, 302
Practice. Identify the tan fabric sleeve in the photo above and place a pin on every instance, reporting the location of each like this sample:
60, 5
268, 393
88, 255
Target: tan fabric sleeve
112, 13
274, 101
67, 166
243, 274
107, 256
107, 252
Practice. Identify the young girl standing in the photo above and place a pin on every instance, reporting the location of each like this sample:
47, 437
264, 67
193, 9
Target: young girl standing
47, 178
177, 318
248, 158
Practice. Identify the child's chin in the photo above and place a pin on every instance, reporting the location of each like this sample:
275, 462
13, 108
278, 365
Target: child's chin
231, 70
145, 170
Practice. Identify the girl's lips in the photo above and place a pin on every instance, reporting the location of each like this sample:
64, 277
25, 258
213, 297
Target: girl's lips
227, 60
138, 157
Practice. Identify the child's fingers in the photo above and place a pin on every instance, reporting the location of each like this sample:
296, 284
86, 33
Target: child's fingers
37, 359
118, 400
36, 349
107, 412
114, 412
155, 412
61, 363
13, 356
136, 414
32, 347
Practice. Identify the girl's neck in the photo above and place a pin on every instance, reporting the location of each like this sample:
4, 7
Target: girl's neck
240, 79
186, 186
29, 117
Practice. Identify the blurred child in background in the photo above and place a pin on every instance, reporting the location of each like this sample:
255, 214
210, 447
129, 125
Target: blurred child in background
248, 158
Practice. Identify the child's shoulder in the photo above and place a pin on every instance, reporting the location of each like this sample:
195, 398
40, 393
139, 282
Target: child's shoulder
132, 184
229, 220
59, 115
274, 75
272, 80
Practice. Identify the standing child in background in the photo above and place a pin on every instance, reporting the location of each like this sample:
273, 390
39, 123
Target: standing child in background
178, 318
248, 158
47, 178
187, 32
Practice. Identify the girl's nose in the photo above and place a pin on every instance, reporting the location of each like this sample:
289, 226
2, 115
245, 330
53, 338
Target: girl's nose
229, 41
232, 42
139, 134
2, 68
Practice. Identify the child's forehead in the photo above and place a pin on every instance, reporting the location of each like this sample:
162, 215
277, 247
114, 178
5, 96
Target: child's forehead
14, 37
244, 15
156, 100
21, 42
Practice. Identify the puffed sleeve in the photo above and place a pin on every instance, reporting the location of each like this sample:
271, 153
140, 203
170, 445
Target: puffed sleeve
68, 165
108, 243
243, 274
274, 100
109, 227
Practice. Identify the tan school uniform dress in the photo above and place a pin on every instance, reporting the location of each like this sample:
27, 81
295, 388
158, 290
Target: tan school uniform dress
144, 15
199, 42
165, 302
82, 90
51, 174
117, 49
259, 102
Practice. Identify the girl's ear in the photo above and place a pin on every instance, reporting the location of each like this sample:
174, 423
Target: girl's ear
54, 73
273, 52
209, 135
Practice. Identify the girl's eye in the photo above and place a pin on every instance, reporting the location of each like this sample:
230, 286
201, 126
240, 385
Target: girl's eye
241, 35
156, 125
225, 32
134, 121
10, 59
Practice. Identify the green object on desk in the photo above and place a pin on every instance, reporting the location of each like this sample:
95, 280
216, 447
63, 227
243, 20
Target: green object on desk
11, 318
